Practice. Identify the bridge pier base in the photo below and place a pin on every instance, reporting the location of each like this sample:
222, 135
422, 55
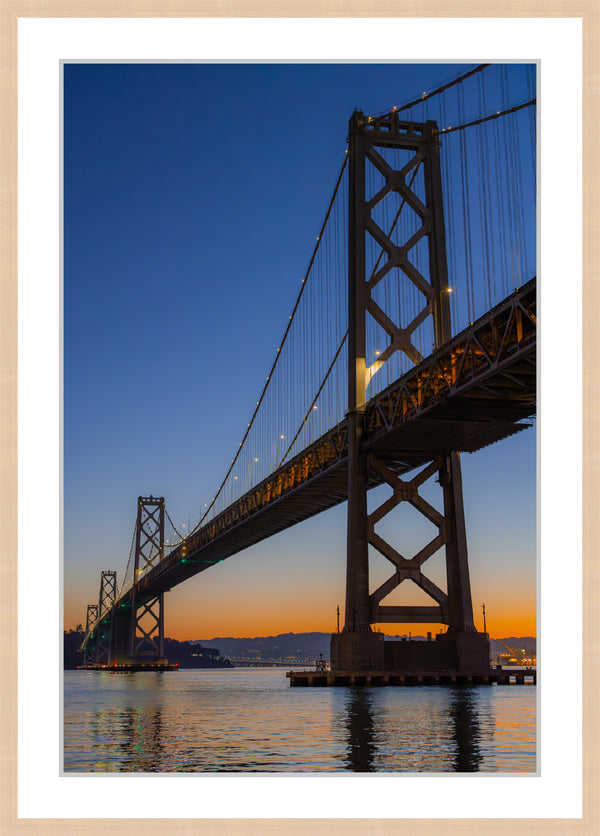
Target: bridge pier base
121, 636
458, 654
472, 652
352, 651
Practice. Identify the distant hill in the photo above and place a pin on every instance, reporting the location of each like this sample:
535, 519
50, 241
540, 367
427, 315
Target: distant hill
307, 646
193, 655
291, 647
185, 654
72, 642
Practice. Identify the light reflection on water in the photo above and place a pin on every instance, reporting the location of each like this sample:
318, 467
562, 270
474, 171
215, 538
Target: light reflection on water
244, 720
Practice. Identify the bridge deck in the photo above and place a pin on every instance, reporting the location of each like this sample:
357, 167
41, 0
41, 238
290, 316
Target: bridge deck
474, 391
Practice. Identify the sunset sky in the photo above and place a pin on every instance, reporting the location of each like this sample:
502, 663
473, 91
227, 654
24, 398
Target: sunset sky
192, 198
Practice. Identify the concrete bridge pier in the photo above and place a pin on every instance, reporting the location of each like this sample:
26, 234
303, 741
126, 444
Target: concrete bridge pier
472, 652
352, 651
120, 636
457, 653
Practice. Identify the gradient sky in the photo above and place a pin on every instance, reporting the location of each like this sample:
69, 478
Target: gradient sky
193, 195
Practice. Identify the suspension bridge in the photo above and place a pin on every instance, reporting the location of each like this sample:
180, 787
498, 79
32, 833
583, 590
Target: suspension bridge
412, 339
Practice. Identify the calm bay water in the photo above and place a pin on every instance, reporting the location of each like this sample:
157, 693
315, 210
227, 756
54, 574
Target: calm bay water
250, 720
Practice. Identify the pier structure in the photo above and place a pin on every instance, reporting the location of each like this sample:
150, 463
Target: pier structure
310, 678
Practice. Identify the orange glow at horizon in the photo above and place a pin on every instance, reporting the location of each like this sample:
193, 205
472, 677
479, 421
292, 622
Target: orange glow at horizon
275, 589
209, 619
182, 630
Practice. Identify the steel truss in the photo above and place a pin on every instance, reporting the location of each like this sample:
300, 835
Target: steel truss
89, 647
147, 616
453, 607
103, 629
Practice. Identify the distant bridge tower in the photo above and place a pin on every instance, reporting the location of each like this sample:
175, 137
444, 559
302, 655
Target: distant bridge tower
97, 648
133, 631
412, 171
89, 651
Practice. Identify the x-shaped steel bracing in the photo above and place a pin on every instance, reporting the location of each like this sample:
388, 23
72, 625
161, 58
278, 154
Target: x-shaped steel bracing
149, 550
407, 569
420, 142
149, 638
397, 256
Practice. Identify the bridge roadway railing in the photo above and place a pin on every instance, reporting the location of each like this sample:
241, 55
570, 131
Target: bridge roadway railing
470, 393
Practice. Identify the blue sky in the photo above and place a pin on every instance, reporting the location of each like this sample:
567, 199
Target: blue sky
192, 196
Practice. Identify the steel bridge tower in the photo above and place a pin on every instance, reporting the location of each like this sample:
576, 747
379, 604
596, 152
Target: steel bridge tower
357, 647
133, 633
98, 625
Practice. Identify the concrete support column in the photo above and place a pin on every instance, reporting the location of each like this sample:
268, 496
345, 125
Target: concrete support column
357, 616
161, 625
457, 566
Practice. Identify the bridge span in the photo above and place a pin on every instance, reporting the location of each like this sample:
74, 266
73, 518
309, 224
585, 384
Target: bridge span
381, 283
476, 390
472, 392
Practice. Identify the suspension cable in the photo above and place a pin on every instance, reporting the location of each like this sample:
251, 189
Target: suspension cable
278, 353
128, 562
451, 129
316, 398
438, 90
496, 115
181, 536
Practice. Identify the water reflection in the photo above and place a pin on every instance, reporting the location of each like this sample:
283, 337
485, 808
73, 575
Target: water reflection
253, 721
359, 723
463, 710
131, 736
444, 730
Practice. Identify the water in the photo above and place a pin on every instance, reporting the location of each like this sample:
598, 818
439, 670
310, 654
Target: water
250, 720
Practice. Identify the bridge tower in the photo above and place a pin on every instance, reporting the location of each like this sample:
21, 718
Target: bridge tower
108, 594
89, 650
146, 632
132, 631
98, 630
357, 646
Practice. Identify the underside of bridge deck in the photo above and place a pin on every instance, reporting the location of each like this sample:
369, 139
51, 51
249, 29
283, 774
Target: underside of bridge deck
475, 391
